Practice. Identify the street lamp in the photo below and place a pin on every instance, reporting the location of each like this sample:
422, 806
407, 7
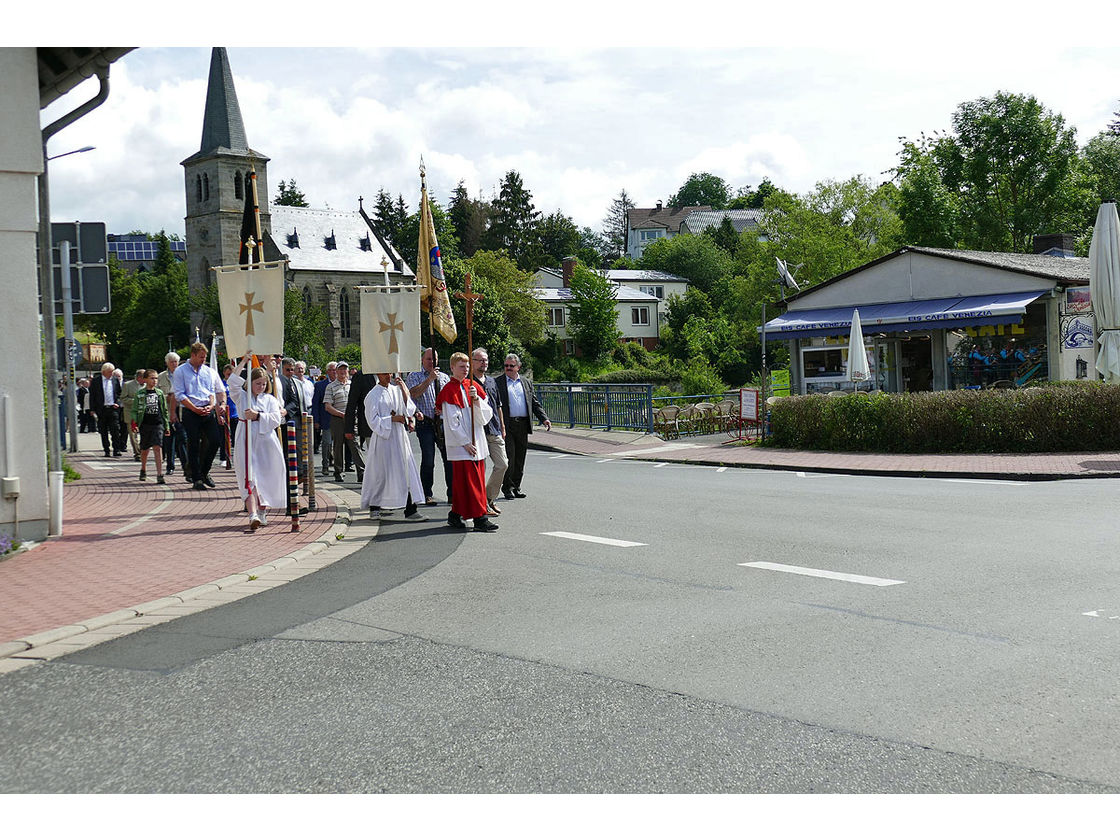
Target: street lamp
75, 152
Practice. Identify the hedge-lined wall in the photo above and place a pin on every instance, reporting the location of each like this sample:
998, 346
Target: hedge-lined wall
1061, 417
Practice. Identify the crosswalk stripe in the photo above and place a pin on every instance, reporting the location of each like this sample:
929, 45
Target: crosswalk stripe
568, 535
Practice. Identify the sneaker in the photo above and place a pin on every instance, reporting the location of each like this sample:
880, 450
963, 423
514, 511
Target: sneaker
207, 480
264, 517
160, 479
416, 517
143, 476
254, 522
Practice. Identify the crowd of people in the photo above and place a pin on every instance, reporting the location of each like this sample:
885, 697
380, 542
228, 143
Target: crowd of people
358, 423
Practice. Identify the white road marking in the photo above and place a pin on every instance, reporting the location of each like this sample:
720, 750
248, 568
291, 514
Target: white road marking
985, 481
720, 469
94, 466
605, 461
801, 475
824, 573
568, 535
168, 497
659, 466
1100, 614
668, 447
554, 457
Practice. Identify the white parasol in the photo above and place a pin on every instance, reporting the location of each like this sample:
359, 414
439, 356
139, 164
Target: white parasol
858, 369
1104, 289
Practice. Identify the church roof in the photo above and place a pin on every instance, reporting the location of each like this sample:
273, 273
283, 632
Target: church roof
330, 240
223, 130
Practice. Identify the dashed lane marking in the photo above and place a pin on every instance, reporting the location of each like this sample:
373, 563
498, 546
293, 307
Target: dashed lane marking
554, 457
168, 496
568, 535
94, 466
605, 461
823, 573
721, 469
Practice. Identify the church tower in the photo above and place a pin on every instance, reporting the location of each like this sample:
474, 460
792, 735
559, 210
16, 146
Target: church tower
217, 178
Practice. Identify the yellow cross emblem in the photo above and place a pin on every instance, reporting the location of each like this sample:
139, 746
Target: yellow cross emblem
393, 326
247, 309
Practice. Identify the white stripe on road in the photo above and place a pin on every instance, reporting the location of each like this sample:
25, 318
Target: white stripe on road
94, 466
986, 481
669, 447
720, 469
823, 573
554, 457
605, 461
168, 496
659, 466
568, 535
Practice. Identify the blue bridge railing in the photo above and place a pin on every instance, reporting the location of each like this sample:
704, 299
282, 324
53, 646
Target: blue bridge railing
598, 406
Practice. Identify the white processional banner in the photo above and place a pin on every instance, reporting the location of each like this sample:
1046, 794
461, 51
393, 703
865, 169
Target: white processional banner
252, 303
390, 328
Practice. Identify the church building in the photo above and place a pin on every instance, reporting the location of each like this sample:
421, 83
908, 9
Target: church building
329, 253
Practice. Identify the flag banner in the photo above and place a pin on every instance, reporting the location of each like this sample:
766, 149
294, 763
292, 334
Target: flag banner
429, 274
390, 328
252, 303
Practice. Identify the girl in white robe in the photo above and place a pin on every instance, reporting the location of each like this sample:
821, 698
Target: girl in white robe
391, 472
260, 417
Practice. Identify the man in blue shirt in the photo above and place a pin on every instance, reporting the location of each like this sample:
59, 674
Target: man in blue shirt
196, 387
424, 386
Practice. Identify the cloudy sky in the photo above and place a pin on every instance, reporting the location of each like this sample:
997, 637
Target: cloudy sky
579, 123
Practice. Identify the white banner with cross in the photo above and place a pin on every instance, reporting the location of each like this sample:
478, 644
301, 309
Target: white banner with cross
252, 303
390, 328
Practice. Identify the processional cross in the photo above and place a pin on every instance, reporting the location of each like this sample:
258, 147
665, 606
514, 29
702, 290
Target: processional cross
468, 297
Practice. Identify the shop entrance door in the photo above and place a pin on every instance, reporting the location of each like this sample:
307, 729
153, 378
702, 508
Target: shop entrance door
916, 362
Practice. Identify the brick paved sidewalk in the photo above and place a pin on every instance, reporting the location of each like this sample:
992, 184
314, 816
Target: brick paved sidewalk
718, 450
127, 542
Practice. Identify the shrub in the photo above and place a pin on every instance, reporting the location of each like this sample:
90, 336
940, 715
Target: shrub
1063, 417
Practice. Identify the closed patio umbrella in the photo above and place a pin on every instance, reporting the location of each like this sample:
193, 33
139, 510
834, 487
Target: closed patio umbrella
858, 369
1104, 287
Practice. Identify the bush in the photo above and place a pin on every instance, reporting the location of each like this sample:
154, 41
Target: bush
1063, 417
699, 378
638, 375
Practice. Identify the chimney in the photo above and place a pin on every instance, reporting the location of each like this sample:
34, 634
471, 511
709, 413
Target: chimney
659, 204
569, 267
1054, 244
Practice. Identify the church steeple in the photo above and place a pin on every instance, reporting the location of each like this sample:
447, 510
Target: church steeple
222, 127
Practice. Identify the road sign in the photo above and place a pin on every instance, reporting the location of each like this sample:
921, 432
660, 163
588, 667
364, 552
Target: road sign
89, 270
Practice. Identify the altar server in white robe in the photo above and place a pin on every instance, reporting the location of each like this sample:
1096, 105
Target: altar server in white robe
392, 479
269, 487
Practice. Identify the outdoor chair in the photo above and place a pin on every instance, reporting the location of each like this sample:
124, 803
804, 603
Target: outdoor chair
688, 420
1002, 384
665, 422
707, 422
726, 411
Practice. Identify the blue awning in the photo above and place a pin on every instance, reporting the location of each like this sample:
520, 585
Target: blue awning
943, 313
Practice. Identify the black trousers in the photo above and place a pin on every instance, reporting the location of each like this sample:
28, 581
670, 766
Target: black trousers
517, 444
109, 424
203, 436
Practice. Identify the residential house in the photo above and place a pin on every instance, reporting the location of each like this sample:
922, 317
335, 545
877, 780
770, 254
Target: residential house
646, 225
639, 313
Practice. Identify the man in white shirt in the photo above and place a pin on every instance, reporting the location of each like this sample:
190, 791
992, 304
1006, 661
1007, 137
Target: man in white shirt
518, 400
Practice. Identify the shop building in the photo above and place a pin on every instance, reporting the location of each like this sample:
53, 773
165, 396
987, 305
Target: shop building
938, 319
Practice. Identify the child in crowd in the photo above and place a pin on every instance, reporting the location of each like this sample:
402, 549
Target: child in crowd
150, 419
259, 417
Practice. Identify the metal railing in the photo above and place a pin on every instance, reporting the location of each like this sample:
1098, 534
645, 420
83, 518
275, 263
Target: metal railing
598, 406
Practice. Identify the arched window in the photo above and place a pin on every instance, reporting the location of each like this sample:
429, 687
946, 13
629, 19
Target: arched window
198, 184
344, 313
307, 300
205, 187
237, 185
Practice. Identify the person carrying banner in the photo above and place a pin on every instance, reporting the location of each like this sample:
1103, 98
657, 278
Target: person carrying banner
260, 415
466, 411
392, 479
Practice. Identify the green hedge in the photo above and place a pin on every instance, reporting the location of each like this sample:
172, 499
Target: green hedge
1062, 417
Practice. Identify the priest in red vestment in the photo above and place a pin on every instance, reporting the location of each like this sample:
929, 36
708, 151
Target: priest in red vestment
466, 451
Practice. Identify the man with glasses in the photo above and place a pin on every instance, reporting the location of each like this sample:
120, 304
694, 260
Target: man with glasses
517, 398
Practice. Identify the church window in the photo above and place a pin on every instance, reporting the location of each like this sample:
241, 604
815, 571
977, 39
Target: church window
344, 313
198, 184
205, 187
307, 301
237, 185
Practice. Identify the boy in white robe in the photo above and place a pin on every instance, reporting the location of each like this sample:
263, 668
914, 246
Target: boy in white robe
260, 417
392, 479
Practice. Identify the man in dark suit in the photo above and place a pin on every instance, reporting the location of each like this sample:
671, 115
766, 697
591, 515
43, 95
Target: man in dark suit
356, 421
518, 400
105, 402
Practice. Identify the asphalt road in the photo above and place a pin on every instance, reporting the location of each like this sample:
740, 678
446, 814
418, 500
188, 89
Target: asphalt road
961, 659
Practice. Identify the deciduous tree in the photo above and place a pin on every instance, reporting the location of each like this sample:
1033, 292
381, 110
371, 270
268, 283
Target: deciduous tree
592, 317
702, 188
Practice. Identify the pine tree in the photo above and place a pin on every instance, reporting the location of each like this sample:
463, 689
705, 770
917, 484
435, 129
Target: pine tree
289, 195
514, 221
469, 217
384, 216
614, 225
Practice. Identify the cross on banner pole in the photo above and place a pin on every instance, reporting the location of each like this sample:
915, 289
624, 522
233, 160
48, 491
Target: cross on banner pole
468, 297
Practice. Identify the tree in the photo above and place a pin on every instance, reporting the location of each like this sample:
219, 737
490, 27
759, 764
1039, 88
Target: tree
696, 258
389, 218
591, 248
288, 195
514, 220
725, 236
409, 234
702, 188
592, 316
929, 210
470, 217
615, 226
522, 311
748, 199
559, 238
1007, 160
